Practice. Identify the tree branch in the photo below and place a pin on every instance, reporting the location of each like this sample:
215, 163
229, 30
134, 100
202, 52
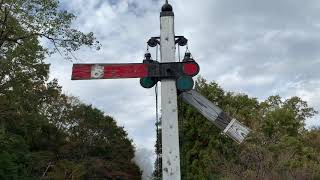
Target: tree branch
45, 172
56, 47
3, 24
1, 3
37, 34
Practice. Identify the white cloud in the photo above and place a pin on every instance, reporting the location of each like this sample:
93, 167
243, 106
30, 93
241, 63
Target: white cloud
260, 48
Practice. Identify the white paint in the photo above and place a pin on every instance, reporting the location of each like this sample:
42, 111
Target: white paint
202, 104
97, 71
169, 124
229, 126
237, 131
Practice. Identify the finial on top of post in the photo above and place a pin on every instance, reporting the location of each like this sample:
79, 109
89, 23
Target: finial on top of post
166, 10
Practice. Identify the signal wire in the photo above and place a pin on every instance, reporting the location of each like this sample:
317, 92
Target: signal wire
158, 148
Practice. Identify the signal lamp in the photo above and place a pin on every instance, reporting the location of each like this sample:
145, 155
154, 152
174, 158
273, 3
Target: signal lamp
148, 82
190, 69
184, 83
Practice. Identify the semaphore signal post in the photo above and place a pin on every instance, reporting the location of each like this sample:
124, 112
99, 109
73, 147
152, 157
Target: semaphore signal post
175, 77
169, 124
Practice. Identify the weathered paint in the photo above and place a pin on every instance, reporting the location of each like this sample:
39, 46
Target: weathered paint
231, 127
169, 123
109, 71
81, 71
97, 71
134, 70
237, 131
125, 71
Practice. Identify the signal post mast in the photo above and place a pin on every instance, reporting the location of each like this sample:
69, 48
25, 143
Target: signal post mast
174, 76
169, 123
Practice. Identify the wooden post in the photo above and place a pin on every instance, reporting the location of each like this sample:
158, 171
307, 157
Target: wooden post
169, 124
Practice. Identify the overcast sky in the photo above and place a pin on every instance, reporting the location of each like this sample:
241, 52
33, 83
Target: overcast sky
260, 48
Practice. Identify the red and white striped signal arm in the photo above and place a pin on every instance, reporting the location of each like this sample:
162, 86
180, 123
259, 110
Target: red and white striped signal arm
109, 71
134, 70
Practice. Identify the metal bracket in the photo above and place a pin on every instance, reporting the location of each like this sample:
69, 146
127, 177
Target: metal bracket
154, 41
172, 70
181, 72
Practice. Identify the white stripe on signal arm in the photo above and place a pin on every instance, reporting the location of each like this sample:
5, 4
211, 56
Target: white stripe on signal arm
97, 71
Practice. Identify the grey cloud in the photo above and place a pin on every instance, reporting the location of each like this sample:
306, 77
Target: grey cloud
260, 48
270, 40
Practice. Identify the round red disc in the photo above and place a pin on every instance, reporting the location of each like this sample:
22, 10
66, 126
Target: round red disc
191, 69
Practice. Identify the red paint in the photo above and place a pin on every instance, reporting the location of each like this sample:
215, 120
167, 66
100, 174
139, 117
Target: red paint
111, 71
191, 69
81, 71
125, 71
132, 70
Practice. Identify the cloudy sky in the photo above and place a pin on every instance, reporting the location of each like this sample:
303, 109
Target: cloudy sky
260, 48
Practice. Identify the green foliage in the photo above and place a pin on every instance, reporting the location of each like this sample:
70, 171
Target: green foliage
279, 146
45, 134
23, 20
13, 156
65, 169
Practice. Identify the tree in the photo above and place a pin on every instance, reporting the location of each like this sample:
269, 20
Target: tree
279, 146
13, 157
44, 133
24, 20
22, 23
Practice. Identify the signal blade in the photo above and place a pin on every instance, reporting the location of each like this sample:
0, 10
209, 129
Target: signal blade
109, 71
231, 127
